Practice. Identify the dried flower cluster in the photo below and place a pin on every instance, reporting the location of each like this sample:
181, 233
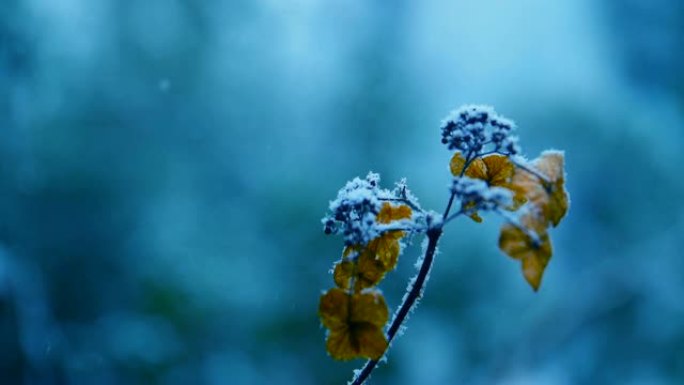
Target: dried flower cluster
472, 128
488, 176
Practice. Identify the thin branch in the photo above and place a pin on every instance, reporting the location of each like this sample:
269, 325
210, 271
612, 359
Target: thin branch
454, 215
448, 208
415, 292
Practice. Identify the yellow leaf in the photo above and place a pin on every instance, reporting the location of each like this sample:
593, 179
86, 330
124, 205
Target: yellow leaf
472, 214
389, 213
334, 308
533, 252
499, 170
361, 334
456, 164
369, 270
340, 346
550, 163
477, 170
519, 197
386, 248
548, 194
368, 265
496, 170
344, 270
358, 341
369, 307
370, 339
476, 217
533, 270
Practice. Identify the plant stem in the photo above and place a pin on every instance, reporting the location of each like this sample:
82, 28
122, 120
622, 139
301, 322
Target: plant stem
415, 292
468, 159
448, 208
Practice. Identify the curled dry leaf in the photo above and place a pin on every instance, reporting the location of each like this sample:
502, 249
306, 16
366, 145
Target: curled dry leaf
530, 244
546, 190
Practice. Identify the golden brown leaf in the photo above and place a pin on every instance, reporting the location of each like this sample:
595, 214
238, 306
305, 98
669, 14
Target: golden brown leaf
370, 339
367, 265
519, 197
499, 170
473, 215
548, 194
389, 213
456, 164
369, 307
361, 340
496, 170
533, 270
477, 169
533, 252
361, 334
386, 248
369, 270
343, 273
340, 346
550, 163
334, 308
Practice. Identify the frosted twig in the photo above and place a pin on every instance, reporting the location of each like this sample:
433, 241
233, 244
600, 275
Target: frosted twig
415, 292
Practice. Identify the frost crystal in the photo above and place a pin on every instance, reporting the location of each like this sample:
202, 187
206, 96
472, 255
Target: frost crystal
401, 191
353, 213
475, 194
472, 127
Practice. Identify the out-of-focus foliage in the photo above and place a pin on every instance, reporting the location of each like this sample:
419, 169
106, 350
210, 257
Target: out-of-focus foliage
163, 165
533, 250
541, 183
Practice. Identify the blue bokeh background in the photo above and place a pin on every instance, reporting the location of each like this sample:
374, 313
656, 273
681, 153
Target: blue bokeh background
164, 165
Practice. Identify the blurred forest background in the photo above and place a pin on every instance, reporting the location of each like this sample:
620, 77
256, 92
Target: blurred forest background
164, 166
